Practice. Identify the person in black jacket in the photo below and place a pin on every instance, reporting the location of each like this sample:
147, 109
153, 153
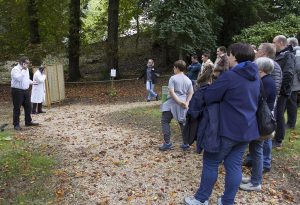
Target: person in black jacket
150, 78
286, 59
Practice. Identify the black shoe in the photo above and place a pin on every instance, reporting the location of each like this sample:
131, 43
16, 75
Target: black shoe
266, 170
39, 112
287, 126
157, 97
17, 127
31, 124
276, 144
148, 100
34, 112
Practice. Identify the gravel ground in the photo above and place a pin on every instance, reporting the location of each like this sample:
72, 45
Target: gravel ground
105, 162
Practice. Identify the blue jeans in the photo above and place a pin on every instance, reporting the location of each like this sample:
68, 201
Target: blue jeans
150, 89
231, 153
256, 153
267, 154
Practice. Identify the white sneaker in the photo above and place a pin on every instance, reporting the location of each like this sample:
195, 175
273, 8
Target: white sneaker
250, 187
192, 201
246, 180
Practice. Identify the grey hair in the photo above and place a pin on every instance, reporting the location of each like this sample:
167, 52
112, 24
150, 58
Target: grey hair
265, 64
282, 39
269, 49
293, 41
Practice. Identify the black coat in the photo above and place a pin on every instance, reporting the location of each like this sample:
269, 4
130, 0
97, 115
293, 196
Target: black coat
154, 75
286, 60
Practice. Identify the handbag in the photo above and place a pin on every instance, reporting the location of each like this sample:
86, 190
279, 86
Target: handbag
265, 119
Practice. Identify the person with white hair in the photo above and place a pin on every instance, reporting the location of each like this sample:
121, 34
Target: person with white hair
291, 105
286, 59
253, 183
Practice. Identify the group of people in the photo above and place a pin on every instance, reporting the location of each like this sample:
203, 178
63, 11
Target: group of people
21, 96
222, 99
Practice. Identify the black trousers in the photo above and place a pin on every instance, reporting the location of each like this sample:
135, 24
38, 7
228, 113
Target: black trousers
291, 108
38, 106
279, 113
21, 98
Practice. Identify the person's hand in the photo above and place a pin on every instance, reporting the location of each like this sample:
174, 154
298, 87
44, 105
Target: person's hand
137, 78
183, 104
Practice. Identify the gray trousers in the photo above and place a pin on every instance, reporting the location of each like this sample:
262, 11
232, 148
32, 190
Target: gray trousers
166, 118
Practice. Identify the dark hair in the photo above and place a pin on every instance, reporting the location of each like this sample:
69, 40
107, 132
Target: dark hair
242, 52
206, 54
222, 48
180, 64
23, 59
206, 75
41, 68
195, 57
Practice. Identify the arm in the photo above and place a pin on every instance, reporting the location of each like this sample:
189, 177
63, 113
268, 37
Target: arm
194, 68
287, 74
17, 75
189, 97
176, 98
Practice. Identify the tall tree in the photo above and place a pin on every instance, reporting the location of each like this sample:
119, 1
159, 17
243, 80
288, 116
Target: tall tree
112, 35
185, 24
74, 40
34, 36
33, 22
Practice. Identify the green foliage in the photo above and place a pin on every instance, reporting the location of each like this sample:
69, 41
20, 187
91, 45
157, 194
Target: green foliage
96, 17
14, 26
265, 32
185, 24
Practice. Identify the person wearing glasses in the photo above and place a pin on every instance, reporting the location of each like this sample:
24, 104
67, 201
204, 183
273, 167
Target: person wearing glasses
20, 83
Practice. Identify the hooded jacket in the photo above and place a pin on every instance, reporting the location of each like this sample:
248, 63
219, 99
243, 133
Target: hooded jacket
296, 82
237, 91
286, 60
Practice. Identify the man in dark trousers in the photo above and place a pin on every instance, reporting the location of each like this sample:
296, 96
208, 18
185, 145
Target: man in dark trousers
291, 105
286, 59
20, 83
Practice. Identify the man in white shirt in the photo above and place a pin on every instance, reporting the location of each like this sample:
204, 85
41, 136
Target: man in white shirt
20, 83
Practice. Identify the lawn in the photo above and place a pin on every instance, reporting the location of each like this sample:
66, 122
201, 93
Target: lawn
24, 173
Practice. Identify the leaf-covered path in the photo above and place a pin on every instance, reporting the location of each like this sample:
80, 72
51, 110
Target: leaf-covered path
107, 163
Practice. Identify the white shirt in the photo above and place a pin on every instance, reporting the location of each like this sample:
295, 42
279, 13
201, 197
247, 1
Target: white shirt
20, 78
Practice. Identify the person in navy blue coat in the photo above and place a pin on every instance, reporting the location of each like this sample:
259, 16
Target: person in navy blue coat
237, 91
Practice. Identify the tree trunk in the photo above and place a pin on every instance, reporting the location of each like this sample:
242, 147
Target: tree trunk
33, 22
137, 31
34, 51
74, 40
113, 34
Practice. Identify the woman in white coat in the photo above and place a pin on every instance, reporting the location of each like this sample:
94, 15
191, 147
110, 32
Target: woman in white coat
38, 90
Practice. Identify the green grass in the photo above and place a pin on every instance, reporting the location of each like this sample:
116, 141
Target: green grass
145, 117
24, 174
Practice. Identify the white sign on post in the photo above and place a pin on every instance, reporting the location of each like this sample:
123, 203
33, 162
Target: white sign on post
113, 73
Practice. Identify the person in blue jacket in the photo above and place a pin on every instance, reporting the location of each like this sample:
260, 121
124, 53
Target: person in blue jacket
237, 91
194, 69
